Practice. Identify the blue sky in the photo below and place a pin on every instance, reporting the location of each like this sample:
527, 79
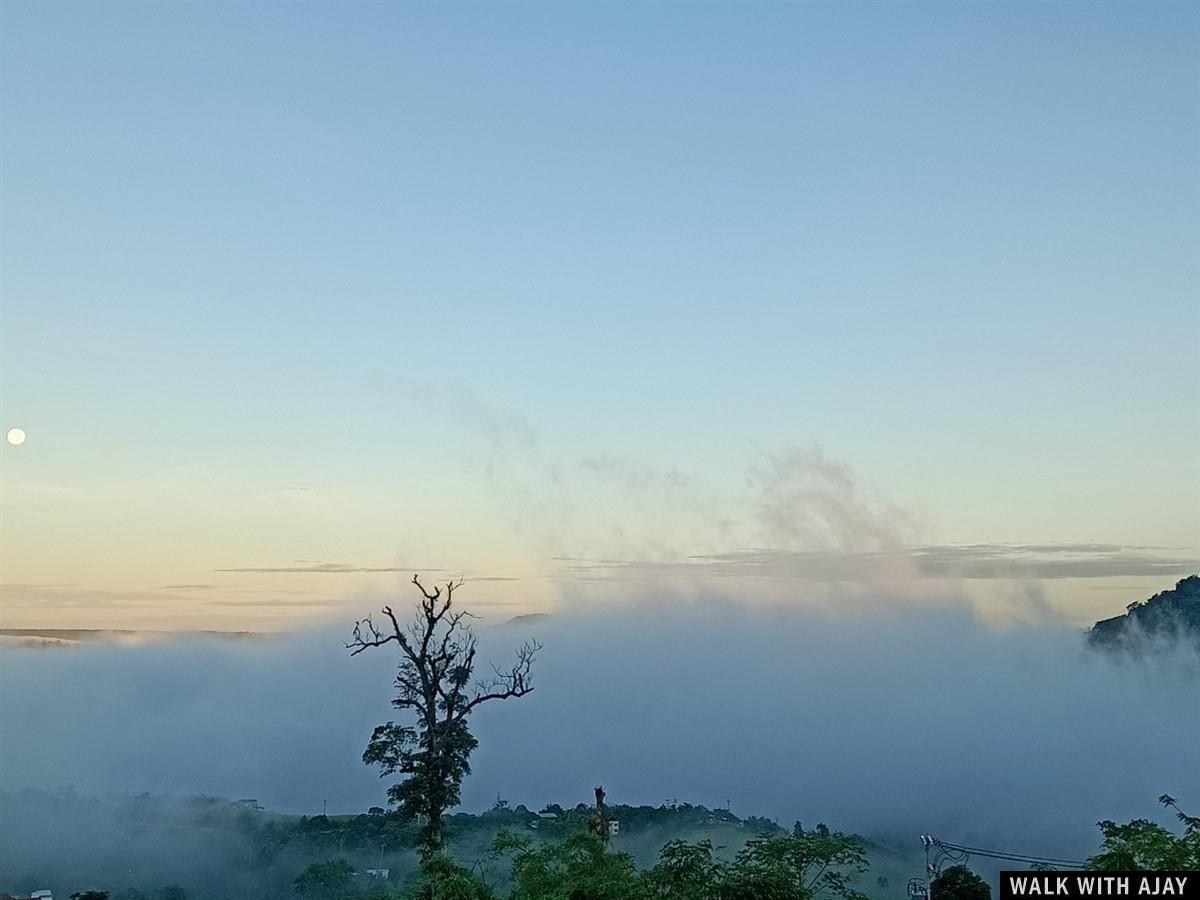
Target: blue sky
478, 285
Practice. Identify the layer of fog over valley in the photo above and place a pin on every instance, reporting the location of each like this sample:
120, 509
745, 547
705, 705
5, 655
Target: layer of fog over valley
888, 718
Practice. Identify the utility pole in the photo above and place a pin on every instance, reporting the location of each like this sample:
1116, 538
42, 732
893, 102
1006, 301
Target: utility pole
927, 840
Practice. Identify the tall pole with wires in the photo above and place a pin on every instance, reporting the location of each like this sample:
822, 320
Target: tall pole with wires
927, 840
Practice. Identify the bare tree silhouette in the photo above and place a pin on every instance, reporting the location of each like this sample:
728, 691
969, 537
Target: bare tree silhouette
434, 677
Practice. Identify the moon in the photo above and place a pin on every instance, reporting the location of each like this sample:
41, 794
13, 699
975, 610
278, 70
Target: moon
15, 436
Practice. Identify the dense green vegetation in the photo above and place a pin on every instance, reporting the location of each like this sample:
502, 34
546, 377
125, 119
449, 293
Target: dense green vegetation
1168, 615
514, 854
1142, 844
960, 883
215, 848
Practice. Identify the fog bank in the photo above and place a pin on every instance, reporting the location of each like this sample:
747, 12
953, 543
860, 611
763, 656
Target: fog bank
883, 719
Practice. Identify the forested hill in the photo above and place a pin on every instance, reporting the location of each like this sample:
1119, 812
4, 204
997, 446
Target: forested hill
1173, 615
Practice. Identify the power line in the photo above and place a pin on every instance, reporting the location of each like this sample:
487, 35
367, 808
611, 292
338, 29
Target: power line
1006, 855
952, 850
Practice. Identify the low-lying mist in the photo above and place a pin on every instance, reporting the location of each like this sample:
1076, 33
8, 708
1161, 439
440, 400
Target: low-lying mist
887, 720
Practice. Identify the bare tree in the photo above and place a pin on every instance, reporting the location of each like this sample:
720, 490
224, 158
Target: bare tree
434, 679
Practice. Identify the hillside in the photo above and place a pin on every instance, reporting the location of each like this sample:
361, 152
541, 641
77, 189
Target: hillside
1170, 615
212, 848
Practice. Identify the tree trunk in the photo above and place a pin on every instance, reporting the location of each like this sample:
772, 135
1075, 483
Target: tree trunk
435, 838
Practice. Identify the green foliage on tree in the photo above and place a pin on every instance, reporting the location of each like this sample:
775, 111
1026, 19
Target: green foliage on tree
433, 678
441, 878
578, 867
686, 872
330, 880
960, 883
435, 759
1143, 845
803, 865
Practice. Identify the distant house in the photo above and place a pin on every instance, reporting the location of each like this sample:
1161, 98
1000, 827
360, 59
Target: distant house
378, 874
548, 815
614, 828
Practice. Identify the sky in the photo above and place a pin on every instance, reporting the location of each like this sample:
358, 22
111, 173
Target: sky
593, 299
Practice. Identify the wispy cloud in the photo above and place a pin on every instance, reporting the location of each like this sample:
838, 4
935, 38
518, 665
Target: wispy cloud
972, 562
30, 586
313, 567
278, 602
804, 500
47, 597
326, 568
987, 561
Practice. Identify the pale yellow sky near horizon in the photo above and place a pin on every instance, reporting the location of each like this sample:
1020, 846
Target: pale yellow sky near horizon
182, 549
227, 548
295, 603
162, 555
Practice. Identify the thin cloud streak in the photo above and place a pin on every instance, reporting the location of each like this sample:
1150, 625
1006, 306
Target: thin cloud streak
282, 604
964, 562
326, 568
